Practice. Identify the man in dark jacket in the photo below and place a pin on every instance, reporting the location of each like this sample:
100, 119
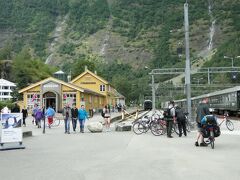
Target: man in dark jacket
25, 114
74, 111
15, 109
181, 120
202, 110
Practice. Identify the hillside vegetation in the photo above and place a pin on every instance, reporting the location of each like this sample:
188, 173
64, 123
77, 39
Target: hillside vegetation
116, 37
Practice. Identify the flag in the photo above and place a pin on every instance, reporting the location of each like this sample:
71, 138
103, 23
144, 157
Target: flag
34, 97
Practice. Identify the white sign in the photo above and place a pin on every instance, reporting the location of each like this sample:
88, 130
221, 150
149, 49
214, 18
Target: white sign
50, 85
11, 135
11, 127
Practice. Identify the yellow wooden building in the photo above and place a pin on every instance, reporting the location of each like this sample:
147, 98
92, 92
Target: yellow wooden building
87, 89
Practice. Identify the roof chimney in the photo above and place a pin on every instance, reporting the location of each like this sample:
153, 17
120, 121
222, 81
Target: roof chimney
86, 68
95, 72
69, 78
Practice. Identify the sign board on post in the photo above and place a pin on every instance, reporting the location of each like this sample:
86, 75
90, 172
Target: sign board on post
11, 131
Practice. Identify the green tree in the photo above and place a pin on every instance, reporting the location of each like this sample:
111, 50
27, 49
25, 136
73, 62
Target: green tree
27, 70
79, 66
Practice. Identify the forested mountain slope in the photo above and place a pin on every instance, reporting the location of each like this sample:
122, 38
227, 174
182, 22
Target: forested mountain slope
115, 36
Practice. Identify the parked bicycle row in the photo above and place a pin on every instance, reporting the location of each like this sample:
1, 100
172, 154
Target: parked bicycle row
174, 120
157, 124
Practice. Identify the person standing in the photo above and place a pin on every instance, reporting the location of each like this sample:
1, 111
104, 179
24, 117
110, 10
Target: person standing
202, 110
50, 114
25, 114
82, 116
181, 121
15, 109
170, 119
67, 115
107, 117
74, 117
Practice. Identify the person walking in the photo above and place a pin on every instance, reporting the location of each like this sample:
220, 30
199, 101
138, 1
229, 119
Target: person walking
67, 115
50, 114
171, 118
202, 110
25, 115
74, 111
107, 118
181, 121
38, 117
82, 116
35, 109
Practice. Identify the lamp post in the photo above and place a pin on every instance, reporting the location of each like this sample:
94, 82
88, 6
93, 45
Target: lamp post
198, 80
153, 90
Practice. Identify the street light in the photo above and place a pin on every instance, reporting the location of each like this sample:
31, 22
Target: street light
198, 79
232, 58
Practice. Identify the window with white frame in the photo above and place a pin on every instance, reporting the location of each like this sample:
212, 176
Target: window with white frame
69, 98
32, 98
102, 87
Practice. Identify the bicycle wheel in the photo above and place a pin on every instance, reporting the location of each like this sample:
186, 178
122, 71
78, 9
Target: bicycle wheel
143, 127
136, 129
157, 129
229, 125
188, 128
212, 139
56, 122
175, 129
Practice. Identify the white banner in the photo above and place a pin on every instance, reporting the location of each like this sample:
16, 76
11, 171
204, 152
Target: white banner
11, 127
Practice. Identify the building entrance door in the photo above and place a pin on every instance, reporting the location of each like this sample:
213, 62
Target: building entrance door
50, 99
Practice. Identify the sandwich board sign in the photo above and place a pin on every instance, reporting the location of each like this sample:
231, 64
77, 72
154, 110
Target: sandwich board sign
11, 131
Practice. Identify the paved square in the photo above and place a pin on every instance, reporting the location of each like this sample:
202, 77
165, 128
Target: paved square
120, 155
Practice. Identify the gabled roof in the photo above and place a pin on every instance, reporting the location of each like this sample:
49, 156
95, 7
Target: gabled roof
54, 80
4, 82
93, 74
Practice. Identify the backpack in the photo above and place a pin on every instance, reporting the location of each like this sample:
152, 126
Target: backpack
180, 114
38, 115
102, 114
167, 113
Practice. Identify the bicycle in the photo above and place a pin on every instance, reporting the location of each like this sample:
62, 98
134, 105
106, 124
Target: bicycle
188, 125
143, 125
210, 129
55, 123
211, 137
229, 124
159, 126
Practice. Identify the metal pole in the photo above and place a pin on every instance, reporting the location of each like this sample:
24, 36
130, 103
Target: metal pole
44, 121
187, 70
232, 61
153, 94
209, 76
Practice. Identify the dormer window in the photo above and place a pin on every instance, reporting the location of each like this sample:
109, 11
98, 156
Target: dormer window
102, 87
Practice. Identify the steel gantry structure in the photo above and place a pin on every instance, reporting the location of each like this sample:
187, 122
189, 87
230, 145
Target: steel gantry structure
209, 70
175, 71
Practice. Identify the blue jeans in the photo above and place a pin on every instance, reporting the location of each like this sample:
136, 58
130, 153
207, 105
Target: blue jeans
67, 125
81, 122
74, 123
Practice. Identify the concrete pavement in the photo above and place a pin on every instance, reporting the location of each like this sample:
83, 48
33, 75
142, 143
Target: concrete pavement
120, 155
